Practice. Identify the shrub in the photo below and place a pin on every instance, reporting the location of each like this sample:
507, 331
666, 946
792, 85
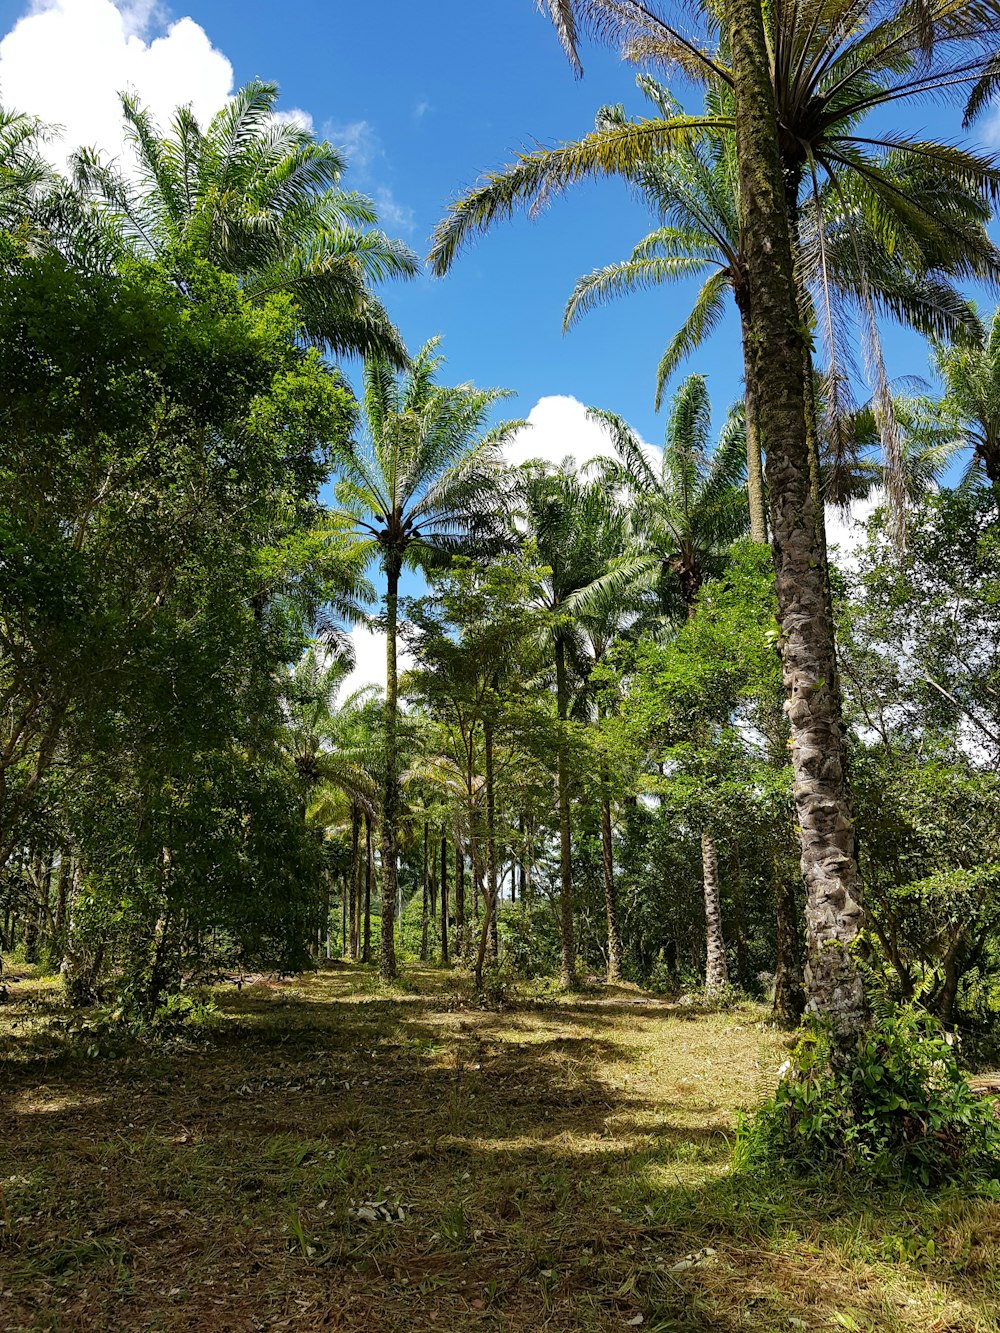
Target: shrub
896, 1107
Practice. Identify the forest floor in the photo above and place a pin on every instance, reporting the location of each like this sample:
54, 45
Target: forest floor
560, 1165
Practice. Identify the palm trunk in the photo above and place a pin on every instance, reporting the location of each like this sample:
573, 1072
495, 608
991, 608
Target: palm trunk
491, 842
444, 899
716, 968
390, 801
424, 918
776, 372
355, 881
366, 943
755, 463
789, 999
567, 974
459, 901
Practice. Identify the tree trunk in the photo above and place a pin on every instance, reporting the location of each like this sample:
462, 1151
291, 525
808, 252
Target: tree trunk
459, 901
424, 918
776, 372
355, 881
789, 998
567, 975
716, 968
444, 899
756, 499
366, 942
390, 800
491, 842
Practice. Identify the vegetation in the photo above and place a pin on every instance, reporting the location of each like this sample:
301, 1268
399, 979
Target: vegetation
610, 817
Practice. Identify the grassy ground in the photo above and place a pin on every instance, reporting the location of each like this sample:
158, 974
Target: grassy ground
560, 1166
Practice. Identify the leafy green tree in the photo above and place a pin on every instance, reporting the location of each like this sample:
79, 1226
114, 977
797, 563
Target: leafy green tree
420, 488
260, 198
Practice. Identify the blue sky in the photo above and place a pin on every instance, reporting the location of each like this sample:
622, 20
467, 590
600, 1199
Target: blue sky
422, 97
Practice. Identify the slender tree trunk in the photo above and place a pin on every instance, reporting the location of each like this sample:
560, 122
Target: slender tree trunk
716, 968
776, 372
366, 943
345, 893
355, 881
444, 899
789, 997
424, 918
567, 974
755, 463
390, 800
459, 901
491, 841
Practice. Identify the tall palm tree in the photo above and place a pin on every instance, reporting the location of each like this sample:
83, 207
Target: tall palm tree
260, 198
567, 517
693, 191
688, 513
421, 487
799, 77
969, 411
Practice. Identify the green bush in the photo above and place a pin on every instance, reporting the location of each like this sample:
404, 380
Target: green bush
898, 1107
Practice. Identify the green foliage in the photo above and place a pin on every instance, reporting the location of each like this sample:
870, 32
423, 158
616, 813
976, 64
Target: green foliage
896, 1107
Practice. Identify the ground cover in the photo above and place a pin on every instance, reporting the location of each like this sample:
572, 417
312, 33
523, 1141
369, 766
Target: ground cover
329, 1153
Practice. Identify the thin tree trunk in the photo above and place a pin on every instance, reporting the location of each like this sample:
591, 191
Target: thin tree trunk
789, 997
366, 944
716, 968
491, 841
390, 800
444, 899
459, 901
424, 919
776, 372
355, 881
755, 463
567, 975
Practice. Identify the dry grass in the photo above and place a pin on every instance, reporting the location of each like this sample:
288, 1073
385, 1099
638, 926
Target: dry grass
554, 1164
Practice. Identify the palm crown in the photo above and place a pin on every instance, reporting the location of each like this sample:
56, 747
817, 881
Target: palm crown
260, 198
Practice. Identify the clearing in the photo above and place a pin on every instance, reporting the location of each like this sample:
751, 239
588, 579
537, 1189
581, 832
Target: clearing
329, 1153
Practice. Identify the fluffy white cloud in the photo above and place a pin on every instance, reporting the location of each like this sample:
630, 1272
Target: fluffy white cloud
558, 427
369, 654
845, 533
67, 60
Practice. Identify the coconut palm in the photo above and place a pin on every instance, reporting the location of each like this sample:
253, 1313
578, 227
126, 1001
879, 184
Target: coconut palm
798, 82
259, 197
421, 487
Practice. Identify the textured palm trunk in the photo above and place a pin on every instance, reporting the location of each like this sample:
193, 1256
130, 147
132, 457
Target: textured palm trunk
355, 895
444, 900
425, 892
755, 463
716, 968
366, 943
390, 800
567, 973
459, 901
789, 997
775, 369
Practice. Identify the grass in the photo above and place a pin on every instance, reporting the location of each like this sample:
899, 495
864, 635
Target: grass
561, 1165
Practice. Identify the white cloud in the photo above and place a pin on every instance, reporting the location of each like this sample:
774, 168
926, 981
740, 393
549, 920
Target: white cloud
366, 159
558, 427
369, 653
845, 533
67, 60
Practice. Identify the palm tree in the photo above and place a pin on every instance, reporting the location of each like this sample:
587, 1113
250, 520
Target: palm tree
260, 198
798, 83
420, 488
24, 172
693, 191
968, 414
568, 520
687, 515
